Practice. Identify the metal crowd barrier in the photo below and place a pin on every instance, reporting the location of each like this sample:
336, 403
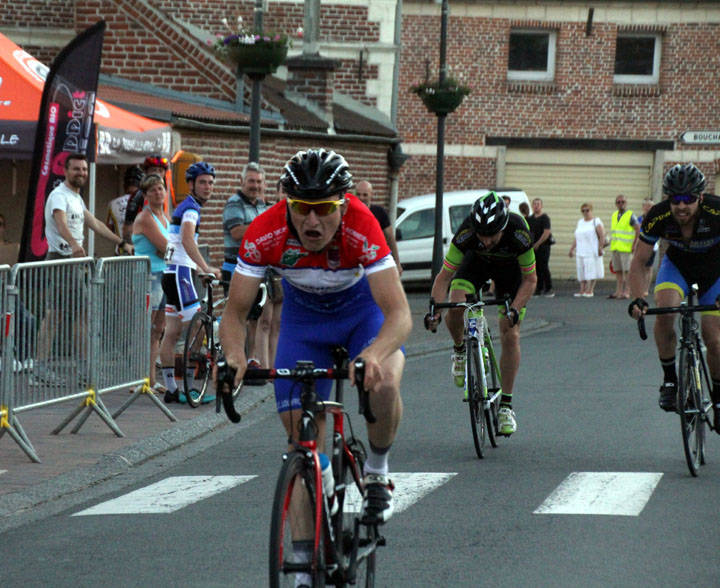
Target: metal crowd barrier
73, 331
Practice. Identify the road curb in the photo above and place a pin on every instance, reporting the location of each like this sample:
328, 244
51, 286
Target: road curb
131, 456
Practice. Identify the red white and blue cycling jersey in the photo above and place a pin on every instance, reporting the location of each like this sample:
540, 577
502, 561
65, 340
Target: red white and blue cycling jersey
326, 280
326, 295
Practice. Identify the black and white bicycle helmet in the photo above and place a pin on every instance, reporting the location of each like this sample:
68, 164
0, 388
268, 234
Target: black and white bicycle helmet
316, 174
489, 215
684, 179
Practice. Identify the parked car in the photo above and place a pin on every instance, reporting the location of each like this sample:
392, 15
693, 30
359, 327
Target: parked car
415, 225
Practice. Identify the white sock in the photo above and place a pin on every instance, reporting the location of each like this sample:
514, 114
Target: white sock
169, 378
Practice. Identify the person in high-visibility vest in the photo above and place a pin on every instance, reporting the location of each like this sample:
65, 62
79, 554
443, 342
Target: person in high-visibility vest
624, 231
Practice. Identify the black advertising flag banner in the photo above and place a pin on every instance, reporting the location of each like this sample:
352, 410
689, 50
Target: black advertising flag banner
65, 125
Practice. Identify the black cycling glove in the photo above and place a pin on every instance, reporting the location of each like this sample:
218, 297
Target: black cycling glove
514, 316
641, 303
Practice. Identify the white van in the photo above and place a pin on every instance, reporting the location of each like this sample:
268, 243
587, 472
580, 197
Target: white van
415, 225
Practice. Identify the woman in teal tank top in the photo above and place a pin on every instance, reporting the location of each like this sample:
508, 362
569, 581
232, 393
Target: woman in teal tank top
150, 231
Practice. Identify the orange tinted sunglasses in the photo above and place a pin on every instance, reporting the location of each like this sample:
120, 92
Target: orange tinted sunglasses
320, 208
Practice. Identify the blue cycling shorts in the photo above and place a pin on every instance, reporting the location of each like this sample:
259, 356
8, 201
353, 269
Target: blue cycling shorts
309, 334
669, 277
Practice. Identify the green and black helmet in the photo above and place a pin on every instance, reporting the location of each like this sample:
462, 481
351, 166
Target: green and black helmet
489, 215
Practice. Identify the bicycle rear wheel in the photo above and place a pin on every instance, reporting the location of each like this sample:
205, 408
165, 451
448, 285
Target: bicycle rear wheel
197, 362
689, 407
493, 384
474, 388
293, 532
349, 497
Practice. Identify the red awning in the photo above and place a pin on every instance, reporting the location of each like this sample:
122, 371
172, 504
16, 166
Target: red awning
123, 137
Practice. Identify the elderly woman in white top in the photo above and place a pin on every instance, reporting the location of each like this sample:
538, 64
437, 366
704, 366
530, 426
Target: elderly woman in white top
588, 248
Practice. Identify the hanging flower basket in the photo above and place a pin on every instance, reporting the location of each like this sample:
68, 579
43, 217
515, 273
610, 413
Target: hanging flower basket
441, 99
253, 53
259, 58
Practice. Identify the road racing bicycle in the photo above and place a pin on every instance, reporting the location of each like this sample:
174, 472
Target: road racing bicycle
312, 514
482, 375
694, 382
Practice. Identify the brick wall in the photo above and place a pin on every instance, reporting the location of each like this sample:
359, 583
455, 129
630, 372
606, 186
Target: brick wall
581, 102
228, 153
39, 13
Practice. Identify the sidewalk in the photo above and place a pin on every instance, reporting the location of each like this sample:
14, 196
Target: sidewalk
71, 462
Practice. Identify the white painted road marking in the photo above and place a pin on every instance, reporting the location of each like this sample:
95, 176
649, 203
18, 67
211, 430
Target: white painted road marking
601, 493
167, 495
2, 472
409, 488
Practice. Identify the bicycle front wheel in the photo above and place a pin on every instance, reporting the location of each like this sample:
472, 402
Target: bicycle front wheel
493, 382
294, 561
357, 562
474, 390
689, 407
197, 358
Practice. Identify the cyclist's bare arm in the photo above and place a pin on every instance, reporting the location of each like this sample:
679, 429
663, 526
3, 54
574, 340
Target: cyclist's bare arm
636, 276
390, 297
187, 232
233, 326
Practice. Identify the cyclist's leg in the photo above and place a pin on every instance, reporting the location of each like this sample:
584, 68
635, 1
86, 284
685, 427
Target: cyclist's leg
386, 404
671, 287
469, 279
508, 281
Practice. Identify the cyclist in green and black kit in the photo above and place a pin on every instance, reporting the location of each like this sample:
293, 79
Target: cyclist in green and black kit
491, 244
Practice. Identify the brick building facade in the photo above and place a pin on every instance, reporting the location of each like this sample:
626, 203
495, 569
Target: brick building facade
580, 132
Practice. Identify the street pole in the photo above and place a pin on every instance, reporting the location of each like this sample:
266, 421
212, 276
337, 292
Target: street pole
256, 95
437, 257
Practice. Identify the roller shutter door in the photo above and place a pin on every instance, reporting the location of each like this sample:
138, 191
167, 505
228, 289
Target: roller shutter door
565, 179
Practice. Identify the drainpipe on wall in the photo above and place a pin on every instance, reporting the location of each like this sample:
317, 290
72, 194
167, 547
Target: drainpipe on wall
394, 173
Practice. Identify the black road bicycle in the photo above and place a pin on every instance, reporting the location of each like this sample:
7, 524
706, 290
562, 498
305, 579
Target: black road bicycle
339, 549
694, 383
202, 349
482, 374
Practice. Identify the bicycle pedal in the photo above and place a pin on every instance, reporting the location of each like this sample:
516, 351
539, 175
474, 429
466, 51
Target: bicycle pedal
381, 542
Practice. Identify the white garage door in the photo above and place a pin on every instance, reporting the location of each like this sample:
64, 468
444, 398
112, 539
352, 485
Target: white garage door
565, 179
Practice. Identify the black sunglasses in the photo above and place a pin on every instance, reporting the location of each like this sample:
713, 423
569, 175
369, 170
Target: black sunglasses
686, 198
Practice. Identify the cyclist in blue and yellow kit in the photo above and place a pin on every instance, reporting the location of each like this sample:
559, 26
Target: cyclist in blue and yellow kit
491, 244
689, 222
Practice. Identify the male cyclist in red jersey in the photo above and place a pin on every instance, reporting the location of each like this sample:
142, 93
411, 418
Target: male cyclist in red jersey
341, 287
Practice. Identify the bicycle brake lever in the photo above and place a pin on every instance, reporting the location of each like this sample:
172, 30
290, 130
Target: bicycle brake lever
641, 328
224, 386
363, 396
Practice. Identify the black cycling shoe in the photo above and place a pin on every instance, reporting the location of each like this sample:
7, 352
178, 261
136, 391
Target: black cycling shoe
668, 397
171, 397
377, 505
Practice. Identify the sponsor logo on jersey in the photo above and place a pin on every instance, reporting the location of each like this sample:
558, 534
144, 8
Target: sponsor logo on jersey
651, 223
463, 236
523, 237
369, 252
251, 252
291, 256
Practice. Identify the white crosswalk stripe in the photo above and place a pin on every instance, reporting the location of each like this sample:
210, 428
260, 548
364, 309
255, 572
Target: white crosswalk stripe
167, 495
601, 493
175, 492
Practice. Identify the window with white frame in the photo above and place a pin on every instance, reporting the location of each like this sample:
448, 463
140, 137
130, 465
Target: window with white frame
637, 58
532, 55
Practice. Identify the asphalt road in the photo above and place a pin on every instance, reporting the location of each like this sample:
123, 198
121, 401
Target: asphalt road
585, 402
